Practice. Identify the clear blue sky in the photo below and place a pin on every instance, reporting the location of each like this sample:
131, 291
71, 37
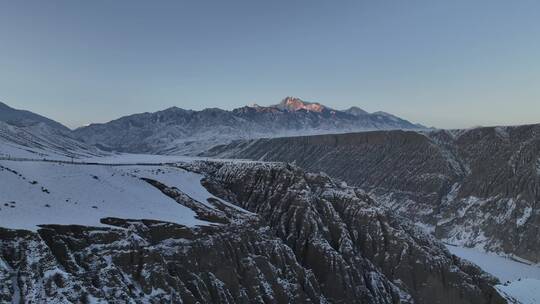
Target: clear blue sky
443, 63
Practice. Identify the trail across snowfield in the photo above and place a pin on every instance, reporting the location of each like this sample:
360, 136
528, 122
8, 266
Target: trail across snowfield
33, 193
524, 279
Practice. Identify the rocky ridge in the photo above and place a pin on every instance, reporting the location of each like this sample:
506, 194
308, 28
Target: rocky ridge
311, 239
475, 188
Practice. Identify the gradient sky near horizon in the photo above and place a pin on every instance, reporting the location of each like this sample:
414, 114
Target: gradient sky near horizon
449, 64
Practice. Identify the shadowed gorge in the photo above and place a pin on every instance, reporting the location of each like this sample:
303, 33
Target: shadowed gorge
477, 187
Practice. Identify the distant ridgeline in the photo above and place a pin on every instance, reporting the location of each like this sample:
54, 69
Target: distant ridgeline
179, 131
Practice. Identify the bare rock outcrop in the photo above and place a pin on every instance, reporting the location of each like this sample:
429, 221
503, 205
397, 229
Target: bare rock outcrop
477, 187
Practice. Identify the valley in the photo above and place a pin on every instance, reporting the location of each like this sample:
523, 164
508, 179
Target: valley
253, 221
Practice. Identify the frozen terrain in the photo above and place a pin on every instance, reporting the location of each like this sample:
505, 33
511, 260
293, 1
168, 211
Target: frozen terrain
526, 291
134, 159
79, 225
34, 193
520, 281
41, 141
176, 131
473, 188
168, 240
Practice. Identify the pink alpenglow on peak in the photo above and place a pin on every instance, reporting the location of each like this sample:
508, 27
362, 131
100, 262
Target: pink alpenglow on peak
295, 104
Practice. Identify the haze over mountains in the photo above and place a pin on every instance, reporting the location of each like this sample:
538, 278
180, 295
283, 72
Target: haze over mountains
179, 131
176, 131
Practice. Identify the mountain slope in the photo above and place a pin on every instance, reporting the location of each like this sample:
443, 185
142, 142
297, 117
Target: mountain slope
477, 188
178, 131
22, 118
29, 135
308, 240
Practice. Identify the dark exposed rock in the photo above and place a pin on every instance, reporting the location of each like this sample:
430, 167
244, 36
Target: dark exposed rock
478, 187
331, 226
312, 241
240, 264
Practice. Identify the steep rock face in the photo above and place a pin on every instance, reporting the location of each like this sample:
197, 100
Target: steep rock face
235, 261
501, 192
403, 163
477, 187
80, 264
311, 241
178, 131
333, 227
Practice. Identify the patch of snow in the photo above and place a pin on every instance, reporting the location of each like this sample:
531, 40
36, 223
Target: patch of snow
525, 217
520, 281
140, 159
503, 268
41, 142
452, 194
93, 300
35, 193
465, 205
426, 228
127, 158
468, 203
466, 235
502, 132
525, 291
16, 298
185, 181
510, 207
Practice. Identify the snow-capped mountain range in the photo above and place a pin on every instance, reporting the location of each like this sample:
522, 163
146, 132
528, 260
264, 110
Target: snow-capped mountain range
80, 225
180, 131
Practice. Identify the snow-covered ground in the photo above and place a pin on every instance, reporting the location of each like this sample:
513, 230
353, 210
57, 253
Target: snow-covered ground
503, 268
519, 280
185, 181
47, 192
47, 179
34, 193
128, 158
41, 142
526, 291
